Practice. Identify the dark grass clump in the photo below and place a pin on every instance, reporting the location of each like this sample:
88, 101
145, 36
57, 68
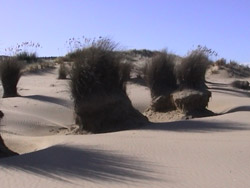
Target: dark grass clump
160, 75
240, 84
28, 57
98, 87
62, 71
10, 73
237, 70
97, 70
221, 62
193, 96
143, 53
74, 56
192, 69
161, 79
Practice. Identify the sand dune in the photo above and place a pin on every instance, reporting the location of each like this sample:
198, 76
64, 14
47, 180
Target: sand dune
203, 152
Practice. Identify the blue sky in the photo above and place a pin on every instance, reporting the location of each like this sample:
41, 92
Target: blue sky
178, 25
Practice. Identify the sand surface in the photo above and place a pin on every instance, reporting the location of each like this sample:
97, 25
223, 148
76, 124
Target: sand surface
204, 152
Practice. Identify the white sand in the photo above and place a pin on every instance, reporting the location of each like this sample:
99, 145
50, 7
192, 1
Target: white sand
206, 152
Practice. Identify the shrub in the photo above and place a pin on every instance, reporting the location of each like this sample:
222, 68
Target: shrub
28, 57
192, 69
237, 70
62, 71
143, 53
73, 56
98, 87
96, 70
32, 68
60, 60
221, 62
10, 73
240, 84
159, 74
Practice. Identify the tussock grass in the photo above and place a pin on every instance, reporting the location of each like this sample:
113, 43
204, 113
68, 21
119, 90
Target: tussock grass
10, 73
28, 57
39, 67
98, 87
237, 70
240, 84
192, 69
62, 71
75, 55
160, 75
97, 70
221, 62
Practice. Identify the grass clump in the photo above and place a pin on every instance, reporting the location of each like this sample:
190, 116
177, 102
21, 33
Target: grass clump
62, 71
161, 79
237, 70
240, 84
221, 62
10, 73
96, 70
192, 69
160, 75
75, 55
28, 57
193, 96
98, 87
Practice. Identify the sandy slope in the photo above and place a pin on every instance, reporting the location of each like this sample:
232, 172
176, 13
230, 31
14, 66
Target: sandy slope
205, 152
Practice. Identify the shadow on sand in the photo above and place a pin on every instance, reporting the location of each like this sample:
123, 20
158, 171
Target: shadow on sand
216, 84
197, 126
238, 109
50, 99
64, 163
234, 92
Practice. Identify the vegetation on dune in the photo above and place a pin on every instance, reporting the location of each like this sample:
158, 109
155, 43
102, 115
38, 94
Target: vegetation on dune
62, 71
29, 57
10, 73
98, 74
24, 51
233, 68
75, 55
237, 70
192, 69
160, 75
241, 84
97, 70
98, 87
143, 52
193, 96
179, 83
220, 62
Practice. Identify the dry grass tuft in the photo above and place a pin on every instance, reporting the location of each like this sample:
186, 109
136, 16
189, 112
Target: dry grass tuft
98, 87
160, 75
10, 73
192, 69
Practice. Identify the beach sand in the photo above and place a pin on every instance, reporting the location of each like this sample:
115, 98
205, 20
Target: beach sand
202, 152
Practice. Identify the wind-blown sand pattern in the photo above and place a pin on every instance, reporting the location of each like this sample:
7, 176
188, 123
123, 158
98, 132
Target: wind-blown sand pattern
203, 152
